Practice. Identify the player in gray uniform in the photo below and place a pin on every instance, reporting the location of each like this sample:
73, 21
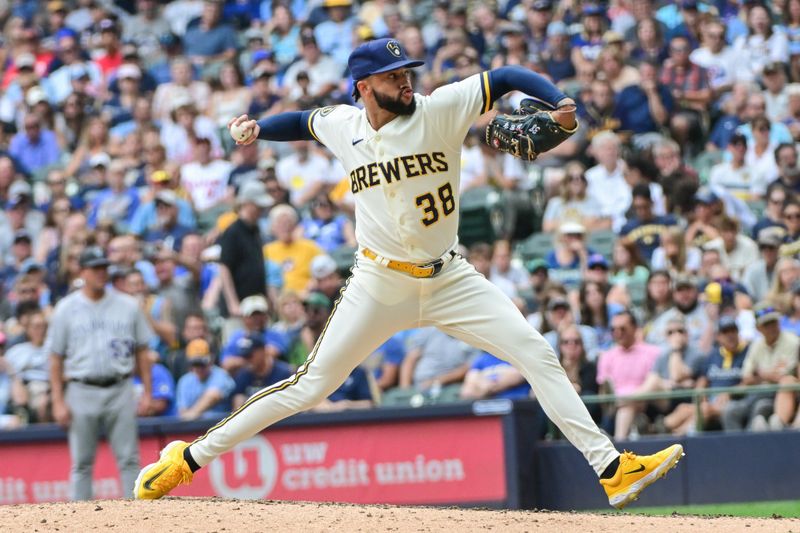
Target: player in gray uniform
98, 338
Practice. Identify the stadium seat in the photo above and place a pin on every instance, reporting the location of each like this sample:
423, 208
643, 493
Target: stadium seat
483, 216
345, 258
602, 242
537, 246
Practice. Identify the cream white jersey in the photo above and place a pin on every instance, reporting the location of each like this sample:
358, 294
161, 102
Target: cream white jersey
405, 176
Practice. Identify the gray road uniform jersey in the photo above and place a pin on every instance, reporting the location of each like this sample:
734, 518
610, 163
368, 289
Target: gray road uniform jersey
98, 340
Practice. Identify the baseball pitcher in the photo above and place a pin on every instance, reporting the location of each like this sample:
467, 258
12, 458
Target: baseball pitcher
402, 153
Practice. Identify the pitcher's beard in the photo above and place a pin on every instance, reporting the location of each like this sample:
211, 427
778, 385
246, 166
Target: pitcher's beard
395, 105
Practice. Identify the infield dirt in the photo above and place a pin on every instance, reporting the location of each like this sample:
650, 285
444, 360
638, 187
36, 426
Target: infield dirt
216, 515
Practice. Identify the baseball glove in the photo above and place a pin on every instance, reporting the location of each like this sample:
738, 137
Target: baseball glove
527, 132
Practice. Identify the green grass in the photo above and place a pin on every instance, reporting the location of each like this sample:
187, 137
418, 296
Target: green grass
786, 509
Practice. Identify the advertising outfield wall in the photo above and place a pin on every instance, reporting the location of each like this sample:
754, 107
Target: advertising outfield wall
479, 454
430, 460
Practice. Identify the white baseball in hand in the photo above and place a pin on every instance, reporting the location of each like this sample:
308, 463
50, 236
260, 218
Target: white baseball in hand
240, 132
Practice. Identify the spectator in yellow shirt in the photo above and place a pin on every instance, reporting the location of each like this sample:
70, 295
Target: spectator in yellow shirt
292, 253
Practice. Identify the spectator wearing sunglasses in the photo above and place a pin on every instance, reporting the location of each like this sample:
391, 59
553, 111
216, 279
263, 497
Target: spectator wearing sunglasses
624, 368
770, 360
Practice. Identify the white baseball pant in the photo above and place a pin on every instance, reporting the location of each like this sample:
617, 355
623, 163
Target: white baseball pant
378, 302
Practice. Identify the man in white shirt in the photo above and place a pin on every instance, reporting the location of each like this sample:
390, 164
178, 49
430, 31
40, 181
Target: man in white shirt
305, 173
735, 175
606, 179
206, 180
775, 93
716, 57
323, 72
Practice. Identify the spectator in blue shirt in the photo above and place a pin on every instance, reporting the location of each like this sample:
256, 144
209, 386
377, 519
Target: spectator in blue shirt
35, 148
385, 362
205, 390
354, 393
146, 215
116, 203
162, 398
329, 229
210, 41
261, 369
643, 107
168, 228
645, 227
254, 315
490, 377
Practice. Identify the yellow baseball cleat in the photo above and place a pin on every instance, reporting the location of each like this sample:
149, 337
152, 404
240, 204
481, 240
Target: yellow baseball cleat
635, 472
157, 479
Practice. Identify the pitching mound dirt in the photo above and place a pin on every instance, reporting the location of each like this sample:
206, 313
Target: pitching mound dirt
207, 515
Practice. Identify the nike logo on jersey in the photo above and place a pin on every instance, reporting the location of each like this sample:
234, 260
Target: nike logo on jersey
367, 176
356, 141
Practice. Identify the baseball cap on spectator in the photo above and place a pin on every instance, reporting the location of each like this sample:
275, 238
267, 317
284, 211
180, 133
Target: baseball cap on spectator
253, 34
254, 304
20, 188
611, 37
685, 280
738, 138
167, 196
262, 55
773, 67
596, 260
54, 6
25, 60
557, 28
380, 55
254, 191
593, 10
307, 37
65, 32
719, 293
765, 313
129, 71
727, 323
183, 99
337, 3
317, 299
168, 39
35, 96
30, 265
159, 176
108, 25
536, 264
322, 266
22, 235
512, 28
705, 196
558, 303
772, 236
116, 272
689, 4
93, 256
78, 71
542, 5
364, 32
198, 352
247, 344
129, 51
571, 228
100, 160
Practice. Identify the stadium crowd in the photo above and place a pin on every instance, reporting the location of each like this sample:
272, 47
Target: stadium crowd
656, 249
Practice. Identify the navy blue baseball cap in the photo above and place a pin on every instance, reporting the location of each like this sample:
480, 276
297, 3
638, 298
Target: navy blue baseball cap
380, 55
